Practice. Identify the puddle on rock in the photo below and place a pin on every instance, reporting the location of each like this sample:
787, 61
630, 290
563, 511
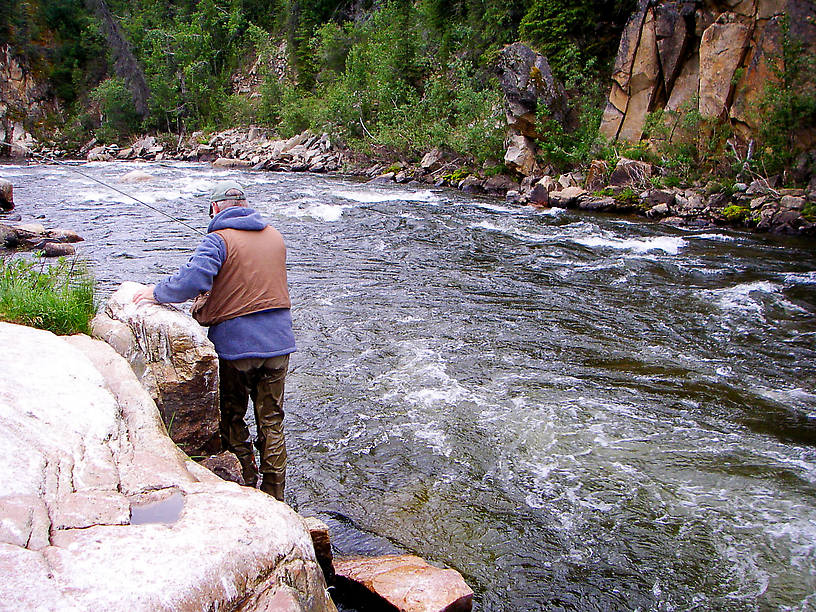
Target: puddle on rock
166, 510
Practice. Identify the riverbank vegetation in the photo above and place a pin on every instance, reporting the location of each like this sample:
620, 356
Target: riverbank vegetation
395, 77
390, 79
58, 297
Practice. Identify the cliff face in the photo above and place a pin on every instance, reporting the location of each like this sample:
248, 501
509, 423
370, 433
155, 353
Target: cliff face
25, 102
716, 55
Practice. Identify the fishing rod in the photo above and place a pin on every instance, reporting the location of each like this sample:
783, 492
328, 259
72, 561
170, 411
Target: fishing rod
103, 183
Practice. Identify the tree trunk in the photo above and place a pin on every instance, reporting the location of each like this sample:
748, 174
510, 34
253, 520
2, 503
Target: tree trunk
125, 63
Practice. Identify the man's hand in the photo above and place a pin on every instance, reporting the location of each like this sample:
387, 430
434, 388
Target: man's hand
145, 296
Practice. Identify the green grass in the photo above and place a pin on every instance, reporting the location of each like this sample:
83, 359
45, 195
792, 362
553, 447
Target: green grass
58, 297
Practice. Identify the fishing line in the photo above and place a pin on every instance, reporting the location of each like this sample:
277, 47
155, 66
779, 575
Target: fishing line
70, 167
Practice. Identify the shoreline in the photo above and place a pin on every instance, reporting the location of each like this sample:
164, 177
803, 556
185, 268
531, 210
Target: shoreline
630, 188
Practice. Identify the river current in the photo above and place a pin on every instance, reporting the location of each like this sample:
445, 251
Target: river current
576, 411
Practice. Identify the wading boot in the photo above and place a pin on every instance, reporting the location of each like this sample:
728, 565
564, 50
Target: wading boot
273, 486
249, 470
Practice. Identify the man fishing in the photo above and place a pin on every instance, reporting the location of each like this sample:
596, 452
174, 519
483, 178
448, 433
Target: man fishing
237, 276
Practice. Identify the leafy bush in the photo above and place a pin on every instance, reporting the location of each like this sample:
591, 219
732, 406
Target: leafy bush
118, 112
736, 213
788, 104
59, 297
688, 144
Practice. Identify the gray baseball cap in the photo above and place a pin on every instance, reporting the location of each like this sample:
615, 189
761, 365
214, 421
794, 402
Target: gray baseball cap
221, 188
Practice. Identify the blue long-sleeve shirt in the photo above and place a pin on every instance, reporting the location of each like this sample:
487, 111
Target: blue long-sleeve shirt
261, 334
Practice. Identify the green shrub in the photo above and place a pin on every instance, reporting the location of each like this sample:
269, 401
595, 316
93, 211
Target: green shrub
736, 213
686, 143
627, 196
57, 297
787, 108
119, 117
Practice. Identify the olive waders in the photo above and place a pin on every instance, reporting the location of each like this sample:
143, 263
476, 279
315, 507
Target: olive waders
262, 380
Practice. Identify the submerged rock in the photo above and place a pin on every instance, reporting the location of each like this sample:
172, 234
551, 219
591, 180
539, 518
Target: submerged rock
84, 453
174, 359
136, 176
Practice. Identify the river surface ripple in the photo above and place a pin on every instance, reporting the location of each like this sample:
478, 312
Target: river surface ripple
577, 412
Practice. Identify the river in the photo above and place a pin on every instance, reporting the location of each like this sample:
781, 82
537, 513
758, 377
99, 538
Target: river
576, 411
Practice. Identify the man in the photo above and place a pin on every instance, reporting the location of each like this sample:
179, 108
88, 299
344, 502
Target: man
238, 277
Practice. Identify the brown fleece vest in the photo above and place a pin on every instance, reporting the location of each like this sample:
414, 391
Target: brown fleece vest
251, 279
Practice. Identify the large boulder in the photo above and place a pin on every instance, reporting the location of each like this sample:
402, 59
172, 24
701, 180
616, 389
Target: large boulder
529, 85
99, 510
175, 361
520, 155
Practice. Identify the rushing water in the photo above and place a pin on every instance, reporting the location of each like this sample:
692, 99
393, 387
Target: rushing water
577, 412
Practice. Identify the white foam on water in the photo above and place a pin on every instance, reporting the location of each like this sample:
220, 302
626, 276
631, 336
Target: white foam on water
551, 212
742, 297
718, 237
109, 195
431, 433
373, 197
311, 209
800, 278
667, 244
511, 231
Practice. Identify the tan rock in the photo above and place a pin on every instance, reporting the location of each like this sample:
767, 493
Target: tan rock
226, 466
520, 155
622, 70
136, 176
58, 249
771, 8
612, 118
408, 583
31, 229
228, 162
686, 86
64, 235
433, 160
629, 172
742, 7
596, 175
174, 359
319, 532
672, 40
539, 196
643, 82
765, 48
722, 48
566, 198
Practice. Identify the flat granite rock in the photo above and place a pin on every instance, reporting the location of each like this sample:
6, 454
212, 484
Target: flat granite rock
81, 447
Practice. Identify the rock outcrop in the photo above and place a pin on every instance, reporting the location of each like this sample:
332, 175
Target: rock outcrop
24, 101
175, 361
529, 87
715, 56
99, 510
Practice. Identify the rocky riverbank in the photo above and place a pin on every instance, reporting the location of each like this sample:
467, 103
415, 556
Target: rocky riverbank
629, 187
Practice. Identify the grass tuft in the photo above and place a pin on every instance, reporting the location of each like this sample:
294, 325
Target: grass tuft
58, 297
